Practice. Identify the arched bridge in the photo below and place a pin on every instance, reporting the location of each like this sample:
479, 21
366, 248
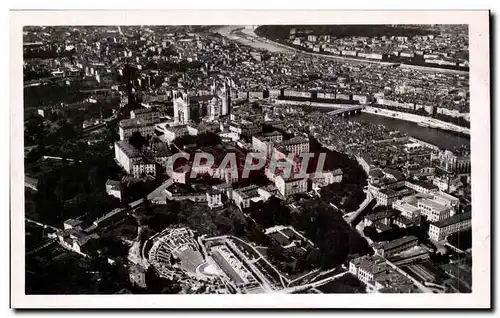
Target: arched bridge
347, 110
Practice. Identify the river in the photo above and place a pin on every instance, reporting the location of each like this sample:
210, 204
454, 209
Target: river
440, 138
248, 37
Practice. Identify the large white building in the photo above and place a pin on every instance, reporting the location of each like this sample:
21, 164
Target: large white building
408, 209
223, 97
296, 144
379, 276
264, 142
260, 144
131, 160
367, 268
291, 185
446, 200
384, 196
440, 230
273, 136
170, 133
422, 187
144, 113
181, 107
214, 198
126, 155
434, 211
434, 205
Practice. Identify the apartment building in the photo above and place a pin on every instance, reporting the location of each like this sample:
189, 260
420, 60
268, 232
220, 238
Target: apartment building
447, 200
422, 187
127, 127
408, 210
385, 196
131, 160
296, 145
144, 113
214, 198
434, 211
367, 268
243, 196
291, 185
440, 230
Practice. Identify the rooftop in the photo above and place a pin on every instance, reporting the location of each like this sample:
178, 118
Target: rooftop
109, 215
273, 133
381, 215
388, 192
404, 220
135, 122
128, 149
432, 204
397, 242
445, 196
368, 263
453, 220
408, 206
143, 111
423, 184
295, 140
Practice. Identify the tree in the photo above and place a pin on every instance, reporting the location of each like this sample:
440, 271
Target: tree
107, 284
238, 228
276, 252
114, 247
160, 285
35, 128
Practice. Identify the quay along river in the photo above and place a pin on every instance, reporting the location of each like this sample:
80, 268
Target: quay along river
440, 138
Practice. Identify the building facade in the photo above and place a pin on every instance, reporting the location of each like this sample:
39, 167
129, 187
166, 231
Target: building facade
393, 247
290, 186
440, 230
131, 160
367, 268
433, 210
145, 127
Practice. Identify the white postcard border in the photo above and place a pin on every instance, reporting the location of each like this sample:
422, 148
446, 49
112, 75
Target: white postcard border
480, 143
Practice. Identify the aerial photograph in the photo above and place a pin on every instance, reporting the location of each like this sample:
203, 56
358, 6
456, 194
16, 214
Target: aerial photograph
247, 159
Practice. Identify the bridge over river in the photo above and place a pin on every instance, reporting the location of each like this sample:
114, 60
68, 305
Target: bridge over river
337, 109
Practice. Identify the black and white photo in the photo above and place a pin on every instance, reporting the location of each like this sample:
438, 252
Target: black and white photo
252, 158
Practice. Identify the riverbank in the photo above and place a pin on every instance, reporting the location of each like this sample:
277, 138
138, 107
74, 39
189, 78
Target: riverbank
423, 121
254, 40
443, 139
260, 40
251, 33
